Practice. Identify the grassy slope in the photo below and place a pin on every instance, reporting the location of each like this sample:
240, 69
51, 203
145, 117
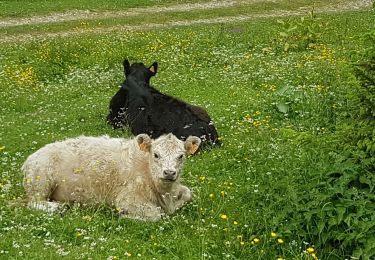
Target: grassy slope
61, 88
23, 8
156, 18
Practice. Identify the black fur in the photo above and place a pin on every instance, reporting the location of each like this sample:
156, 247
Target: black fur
144, 109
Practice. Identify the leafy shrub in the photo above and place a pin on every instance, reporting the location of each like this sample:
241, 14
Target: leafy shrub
357, 121
298, 35
341, 212
336, 212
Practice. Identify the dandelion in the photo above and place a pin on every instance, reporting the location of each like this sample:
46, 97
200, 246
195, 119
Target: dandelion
202, 178
235, 223
242, 243
255, 241
280, 241
273, 234
280, 258
310, 250
211, 195
128, 254
223, 217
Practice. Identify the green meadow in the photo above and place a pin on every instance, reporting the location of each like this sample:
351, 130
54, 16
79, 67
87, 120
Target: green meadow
292, 98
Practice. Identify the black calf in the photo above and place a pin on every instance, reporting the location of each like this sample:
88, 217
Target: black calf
146, 110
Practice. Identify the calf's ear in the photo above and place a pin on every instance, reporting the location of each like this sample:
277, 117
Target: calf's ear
126, 64
144, 142
153, 68
192, 144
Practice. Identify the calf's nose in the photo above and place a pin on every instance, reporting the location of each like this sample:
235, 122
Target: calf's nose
169, 174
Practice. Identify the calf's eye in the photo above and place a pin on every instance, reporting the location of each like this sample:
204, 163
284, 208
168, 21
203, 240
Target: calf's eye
156, 156
180, 157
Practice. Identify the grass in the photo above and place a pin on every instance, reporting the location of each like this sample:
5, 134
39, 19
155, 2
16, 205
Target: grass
269, 171
24, 8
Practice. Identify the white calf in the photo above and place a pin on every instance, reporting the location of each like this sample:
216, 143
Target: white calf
140, 176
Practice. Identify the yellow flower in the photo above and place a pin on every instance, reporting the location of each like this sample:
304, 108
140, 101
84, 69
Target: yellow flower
235, 223
273, 234
211, 195
310, 250
128, 254
242, 243
222, 193
223, 216
202, 178
280, 241
280, 258
2, 148
255, 241
78, 234
313, 255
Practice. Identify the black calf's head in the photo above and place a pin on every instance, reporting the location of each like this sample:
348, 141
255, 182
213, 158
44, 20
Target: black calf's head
139, 71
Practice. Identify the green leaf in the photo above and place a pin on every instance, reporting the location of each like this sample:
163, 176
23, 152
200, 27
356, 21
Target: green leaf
283, 107
283, 90
283, 34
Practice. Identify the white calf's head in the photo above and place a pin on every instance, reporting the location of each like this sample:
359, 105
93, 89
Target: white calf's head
167, 155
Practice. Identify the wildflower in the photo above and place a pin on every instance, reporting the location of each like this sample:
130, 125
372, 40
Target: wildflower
280, 241
280, 258
242, 243
222, 193
273, 234
255, 241
310, 250
313, 255
202, 178
223, 216
211, 195
128, 254
78, 234
88, 218
235, 223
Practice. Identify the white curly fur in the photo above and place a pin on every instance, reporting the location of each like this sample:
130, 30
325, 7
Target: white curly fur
129, 174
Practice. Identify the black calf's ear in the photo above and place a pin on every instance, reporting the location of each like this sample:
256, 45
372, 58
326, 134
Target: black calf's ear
126, 64
153, 68
144, 142
192, 144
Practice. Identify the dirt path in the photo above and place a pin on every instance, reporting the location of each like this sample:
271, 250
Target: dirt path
78, 15
92, 15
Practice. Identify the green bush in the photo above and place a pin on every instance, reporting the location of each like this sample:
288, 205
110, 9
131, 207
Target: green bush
299, 34
336, 212
358, 125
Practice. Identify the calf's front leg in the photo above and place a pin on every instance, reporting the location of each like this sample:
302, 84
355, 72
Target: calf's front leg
175, 200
